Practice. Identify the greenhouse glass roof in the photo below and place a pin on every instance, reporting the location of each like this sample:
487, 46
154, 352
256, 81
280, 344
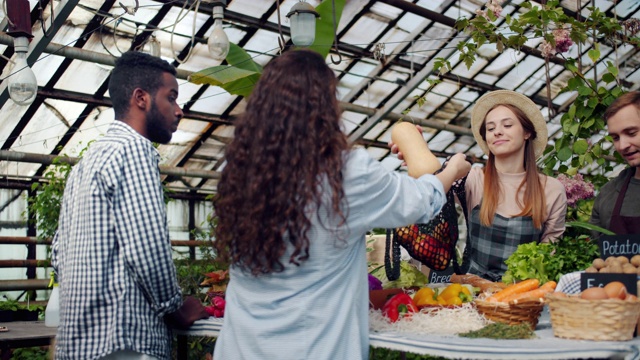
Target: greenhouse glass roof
386, 51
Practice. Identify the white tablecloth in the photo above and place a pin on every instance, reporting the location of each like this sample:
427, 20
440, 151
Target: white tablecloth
546, 346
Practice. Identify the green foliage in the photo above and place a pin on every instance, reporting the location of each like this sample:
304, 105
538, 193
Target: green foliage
45, 205
198, 347
573, 150
409, 276
549, 261
387, 354
14, 305
9, 304
238, 78
242, 72
325, 33
31, 353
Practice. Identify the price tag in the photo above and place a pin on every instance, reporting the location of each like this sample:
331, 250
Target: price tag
442, 276
589, 280
619, 245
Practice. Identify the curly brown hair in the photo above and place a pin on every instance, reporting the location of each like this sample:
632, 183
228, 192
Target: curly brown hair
288, 150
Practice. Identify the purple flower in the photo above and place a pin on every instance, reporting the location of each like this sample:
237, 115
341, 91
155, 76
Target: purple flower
576, 188
374, 283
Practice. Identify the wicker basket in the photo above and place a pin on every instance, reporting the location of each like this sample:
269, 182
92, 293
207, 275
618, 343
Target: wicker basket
512, 314
574, 318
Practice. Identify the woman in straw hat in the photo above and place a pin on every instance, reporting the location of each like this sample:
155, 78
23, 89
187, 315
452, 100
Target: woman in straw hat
510, 202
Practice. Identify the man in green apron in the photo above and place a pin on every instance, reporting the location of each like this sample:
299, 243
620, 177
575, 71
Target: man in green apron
616, 206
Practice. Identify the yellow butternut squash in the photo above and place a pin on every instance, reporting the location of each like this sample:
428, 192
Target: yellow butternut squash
420, 160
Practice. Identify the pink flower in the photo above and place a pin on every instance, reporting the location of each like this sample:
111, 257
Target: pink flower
563, 41
632, 25
546, 49
495, 6
576, 188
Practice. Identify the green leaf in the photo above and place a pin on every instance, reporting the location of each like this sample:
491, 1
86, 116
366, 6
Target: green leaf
572, 171
580, 146
597, 150
608, 78
588, 226
584, 90
234, 80
594, 54
574, 128
241, 59
612, 68
324, 26
588, 123
564, 154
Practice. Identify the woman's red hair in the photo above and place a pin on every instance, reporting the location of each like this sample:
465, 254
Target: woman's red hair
533, 202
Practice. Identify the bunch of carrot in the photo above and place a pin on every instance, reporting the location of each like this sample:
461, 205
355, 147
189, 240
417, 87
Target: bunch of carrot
526, 290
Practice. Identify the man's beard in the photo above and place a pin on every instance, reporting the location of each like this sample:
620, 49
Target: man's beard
155, 129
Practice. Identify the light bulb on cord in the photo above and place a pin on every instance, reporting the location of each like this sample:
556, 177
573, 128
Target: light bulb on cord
23, 86
152, 46
303, 23
218, 42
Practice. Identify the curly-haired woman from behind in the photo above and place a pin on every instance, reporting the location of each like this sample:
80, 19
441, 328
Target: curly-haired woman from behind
293, 206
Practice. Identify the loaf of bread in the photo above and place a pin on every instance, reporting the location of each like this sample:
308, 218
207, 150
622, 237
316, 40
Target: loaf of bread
476, 281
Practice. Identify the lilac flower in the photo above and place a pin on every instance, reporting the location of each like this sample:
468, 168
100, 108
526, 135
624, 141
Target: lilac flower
576, 188
546, 49
563, 41
495, 6
632, 25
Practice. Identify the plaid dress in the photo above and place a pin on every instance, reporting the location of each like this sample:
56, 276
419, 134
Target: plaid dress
492, 245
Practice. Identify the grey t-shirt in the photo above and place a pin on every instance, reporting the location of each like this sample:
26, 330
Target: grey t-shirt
606, 199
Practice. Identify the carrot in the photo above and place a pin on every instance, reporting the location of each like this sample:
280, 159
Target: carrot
517, 288
536, 294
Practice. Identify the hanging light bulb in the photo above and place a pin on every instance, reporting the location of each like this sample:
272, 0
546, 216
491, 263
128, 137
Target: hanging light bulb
23, 86
218, 42
303, 23
152, 46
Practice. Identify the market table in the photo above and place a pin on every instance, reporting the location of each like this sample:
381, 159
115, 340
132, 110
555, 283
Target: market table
546, 346
24, 334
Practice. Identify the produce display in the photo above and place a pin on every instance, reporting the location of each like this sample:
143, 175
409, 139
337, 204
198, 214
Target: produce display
526, 290
611, 307
549, 261
399, 305
410, 276
452, 295
485, 286
616, 264
502, 331
471, 306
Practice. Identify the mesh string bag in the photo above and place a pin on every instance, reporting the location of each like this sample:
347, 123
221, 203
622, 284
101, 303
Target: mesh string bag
433, 243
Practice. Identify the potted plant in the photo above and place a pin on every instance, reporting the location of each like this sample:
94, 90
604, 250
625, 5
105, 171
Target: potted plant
12, 310
8, 308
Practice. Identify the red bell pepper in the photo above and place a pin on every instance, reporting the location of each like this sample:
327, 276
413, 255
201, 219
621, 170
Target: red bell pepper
399, 305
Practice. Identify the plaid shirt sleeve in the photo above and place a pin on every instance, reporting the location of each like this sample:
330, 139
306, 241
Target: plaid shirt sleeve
142, 229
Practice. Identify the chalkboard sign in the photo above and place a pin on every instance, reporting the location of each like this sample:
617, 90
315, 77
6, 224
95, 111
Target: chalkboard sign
589, 280
617, 245
439, 277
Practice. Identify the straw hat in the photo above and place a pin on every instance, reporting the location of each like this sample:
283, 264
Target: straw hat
489, 100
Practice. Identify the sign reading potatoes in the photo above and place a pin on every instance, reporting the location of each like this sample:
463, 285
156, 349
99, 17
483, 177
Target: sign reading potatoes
619, 245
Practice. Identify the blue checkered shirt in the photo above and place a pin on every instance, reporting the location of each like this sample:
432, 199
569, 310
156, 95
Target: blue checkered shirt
112, 252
